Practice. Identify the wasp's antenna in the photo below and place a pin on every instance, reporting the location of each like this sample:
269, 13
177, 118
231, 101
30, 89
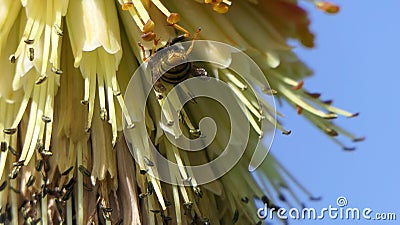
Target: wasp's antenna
193, 39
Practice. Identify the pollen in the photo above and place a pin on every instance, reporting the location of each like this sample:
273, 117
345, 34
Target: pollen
220, 8
127, 5
173, 18
149, 26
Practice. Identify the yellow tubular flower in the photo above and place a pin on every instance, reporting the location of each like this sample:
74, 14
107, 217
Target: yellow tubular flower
66, 65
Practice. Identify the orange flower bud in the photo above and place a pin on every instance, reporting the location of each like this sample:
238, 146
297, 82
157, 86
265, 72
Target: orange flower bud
328, 7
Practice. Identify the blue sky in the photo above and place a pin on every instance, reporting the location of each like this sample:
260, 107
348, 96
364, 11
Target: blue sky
355, 63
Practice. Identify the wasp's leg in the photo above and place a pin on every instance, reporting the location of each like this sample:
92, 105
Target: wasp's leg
177, 39
199, 72
158, 86
143, 51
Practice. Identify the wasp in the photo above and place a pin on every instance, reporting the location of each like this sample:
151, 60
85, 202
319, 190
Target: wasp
171, 65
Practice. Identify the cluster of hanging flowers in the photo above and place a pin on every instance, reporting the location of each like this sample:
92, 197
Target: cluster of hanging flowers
65, 66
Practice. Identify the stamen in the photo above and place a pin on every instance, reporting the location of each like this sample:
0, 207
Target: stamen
46, 119
255, 125
346, 133
358, 139
31, 54
13, 151
67, 171
92, 94
79, 155
136, 18
102, 98
3, 185
39, 165
47, 36
121, 102
14, 172
349, 148
235, 216
19, 163
269, 91
41, 79
148, 36
331, 132
111, 108
144, 16
48, 112
285, 132
161, 7
30, 181
299, 110
173, 18
354, 115
56, 71
12, 58
3, 146
336, 110
300, 102
30, 24
245, 199
34, 127
313, 95
246, 102
67, 195
29, 41
149, 26
176, 26
298, 86
69, 184
181, 165
168, 115
58, 30
235, 80
157, 190
84, 171
178, 214
188, 122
